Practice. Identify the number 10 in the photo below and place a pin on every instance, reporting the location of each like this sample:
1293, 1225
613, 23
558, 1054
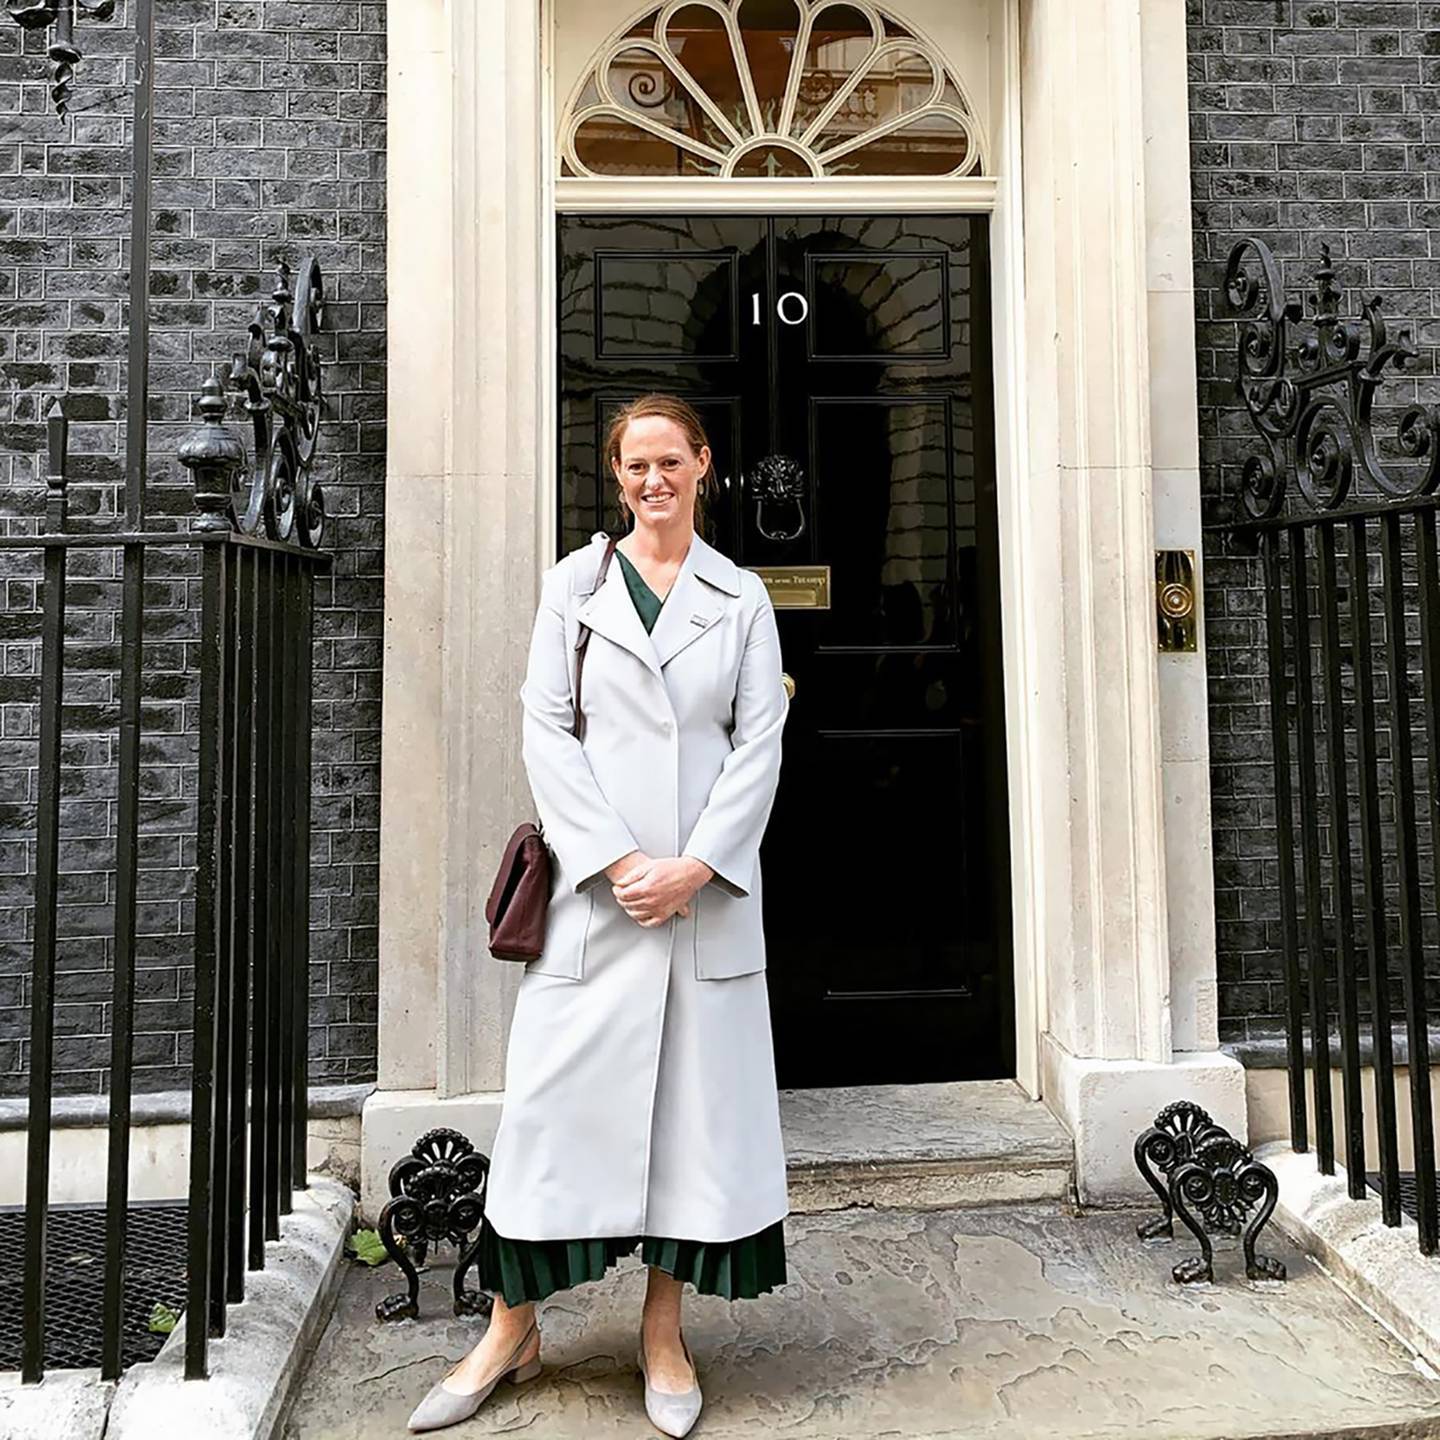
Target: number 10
780, 308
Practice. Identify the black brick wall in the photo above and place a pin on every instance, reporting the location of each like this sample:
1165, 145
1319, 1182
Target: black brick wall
269, 146
1311, 122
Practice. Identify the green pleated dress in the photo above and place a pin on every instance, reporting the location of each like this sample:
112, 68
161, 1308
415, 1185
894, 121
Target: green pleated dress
522, 1270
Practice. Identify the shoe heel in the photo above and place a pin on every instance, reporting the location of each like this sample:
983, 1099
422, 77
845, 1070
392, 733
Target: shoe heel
525, 1372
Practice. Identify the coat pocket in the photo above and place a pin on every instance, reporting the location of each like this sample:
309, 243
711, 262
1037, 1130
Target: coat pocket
729, 939
567, 930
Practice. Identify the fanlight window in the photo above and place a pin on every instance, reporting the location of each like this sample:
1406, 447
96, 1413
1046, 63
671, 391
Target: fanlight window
769, 88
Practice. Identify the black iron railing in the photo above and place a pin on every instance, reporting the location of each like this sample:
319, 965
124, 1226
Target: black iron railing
1345, 525
256, 536
256, 533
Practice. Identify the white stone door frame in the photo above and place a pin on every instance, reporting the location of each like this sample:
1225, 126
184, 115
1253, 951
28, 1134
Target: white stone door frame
1020, 604
1097, 455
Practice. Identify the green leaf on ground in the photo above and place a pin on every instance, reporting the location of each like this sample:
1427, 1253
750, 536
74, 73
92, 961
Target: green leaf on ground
163, 1319
367, 1247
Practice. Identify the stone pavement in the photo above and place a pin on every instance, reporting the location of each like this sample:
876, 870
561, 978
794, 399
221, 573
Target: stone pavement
1021, 1321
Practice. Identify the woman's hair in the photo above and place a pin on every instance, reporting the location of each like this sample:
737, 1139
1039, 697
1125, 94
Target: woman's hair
667, 407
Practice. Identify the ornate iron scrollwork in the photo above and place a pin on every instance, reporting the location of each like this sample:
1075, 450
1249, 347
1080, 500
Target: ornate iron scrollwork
777, 481
1224, 1182
1312, 395
281, 381
1169, 1142
1212, 1182
436, 1194
65, 55
649, 90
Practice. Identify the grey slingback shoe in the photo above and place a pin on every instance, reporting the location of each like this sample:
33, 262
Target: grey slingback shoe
672, 1414
442, 1407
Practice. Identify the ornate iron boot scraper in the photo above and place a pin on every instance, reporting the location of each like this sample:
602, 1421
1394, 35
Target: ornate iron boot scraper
1213, 1183
436, 1193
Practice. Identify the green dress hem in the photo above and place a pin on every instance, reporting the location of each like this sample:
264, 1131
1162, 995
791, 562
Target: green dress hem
529, 1270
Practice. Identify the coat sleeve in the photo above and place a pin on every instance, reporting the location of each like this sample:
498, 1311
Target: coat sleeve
727, 835
579, 824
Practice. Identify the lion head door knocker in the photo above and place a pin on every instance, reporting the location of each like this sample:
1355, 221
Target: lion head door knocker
778, 481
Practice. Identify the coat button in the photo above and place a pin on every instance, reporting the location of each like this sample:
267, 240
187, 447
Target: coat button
666, 726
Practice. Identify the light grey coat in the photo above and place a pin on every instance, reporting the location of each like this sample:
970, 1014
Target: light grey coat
640, 1090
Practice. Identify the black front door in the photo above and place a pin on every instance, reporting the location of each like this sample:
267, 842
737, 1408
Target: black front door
842, 367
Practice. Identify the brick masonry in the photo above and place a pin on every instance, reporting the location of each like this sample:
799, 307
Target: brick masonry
1311, 121
269, 146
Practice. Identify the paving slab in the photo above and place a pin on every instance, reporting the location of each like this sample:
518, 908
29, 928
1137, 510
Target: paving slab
1021, 1321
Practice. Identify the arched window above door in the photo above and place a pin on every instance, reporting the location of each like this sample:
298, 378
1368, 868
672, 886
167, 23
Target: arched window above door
769, 88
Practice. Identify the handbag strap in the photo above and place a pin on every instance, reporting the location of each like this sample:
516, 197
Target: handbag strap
582, 643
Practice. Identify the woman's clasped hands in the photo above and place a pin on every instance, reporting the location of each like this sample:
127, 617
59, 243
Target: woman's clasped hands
650, 891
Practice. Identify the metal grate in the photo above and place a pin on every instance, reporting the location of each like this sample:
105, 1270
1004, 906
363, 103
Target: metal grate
1409, 1190
155, 1270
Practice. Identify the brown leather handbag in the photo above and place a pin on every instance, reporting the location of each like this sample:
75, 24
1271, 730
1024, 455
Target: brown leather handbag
520, 892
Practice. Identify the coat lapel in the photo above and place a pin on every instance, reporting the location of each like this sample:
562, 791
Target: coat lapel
609, 611
705, 584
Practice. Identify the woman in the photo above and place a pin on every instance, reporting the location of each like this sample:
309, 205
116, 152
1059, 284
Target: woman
640, 1104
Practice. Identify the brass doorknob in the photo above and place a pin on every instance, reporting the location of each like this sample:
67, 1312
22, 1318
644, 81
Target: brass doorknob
789, 685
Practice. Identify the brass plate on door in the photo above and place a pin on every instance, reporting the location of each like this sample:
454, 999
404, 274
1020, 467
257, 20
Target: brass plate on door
796, 587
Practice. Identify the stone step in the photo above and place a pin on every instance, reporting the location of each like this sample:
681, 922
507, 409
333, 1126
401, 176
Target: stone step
921, 1147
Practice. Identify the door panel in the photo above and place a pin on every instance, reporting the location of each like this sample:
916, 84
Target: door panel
884, 463
855, 347
901, 301
659, 306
